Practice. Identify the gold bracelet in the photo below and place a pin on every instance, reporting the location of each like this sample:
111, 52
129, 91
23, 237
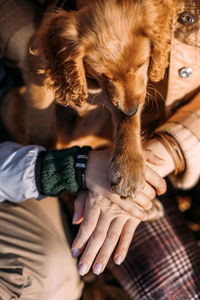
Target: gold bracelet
174, 149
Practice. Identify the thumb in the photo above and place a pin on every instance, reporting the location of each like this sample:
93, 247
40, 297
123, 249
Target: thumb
79, 206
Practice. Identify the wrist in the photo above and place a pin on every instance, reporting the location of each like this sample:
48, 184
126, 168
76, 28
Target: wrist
97, 172
174, 149
90, 172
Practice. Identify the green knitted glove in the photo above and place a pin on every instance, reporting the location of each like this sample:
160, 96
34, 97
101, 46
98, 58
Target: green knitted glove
56, 171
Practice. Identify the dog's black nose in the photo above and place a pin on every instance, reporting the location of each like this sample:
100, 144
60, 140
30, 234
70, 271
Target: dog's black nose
129, 112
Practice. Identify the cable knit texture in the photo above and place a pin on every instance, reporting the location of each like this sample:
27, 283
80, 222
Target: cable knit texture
56, 171
190, 146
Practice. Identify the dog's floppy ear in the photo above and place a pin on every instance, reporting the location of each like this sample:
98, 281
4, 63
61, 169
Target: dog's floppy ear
158, 27
58, 42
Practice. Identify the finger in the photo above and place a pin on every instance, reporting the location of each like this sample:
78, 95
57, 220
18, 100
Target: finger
110, 242
79, 205
143, 201
155, 180
153, 158
137, 211
149, 191
94, 244
144, 198
90, 220
125, 240
131, 207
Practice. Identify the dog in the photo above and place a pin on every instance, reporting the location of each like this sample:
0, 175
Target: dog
116, 44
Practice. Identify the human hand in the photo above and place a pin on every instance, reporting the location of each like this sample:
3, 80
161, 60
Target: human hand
104, 224
97, 181
103, 220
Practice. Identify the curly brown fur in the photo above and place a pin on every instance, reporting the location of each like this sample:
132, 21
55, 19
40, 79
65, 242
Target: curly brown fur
65, 38
120, 44
159, 29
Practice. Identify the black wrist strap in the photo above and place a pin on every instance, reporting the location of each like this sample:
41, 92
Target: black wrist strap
80, 166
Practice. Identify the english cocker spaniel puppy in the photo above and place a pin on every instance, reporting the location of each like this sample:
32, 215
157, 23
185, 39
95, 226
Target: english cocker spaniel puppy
118, 43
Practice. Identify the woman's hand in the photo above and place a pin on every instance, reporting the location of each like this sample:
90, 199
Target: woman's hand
104, 224
97, 181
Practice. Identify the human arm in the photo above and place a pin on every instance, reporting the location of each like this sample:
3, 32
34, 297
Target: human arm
184, 127
32, 172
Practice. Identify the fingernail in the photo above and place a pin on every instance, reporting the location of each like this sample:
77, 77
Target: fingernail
82, 269
97, 269
75, 253
118, 260
75, 218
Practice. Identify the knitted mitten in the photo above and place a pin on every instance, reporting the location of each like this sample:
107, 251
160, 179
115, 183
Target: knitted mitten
60, 170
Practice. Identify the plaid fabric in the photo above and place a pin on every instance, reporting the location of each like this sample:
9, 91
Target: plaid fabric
163, 261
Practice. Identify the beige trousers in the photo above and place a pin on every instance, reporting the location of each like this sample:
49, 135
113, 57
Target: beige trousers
35, 258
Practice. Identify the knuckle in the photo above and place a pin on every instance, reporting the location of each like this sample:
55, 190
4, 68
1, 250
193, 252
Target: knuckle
147, 203
103, 258
113, 236
143, 201
98, 235
139, 214
87, 225
149, 206
128, 235
123, 250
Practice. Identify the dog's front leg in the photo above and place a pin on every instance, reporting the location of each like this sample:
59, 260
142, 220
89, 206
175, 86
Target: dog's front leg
40, 107
40, 115
127, 164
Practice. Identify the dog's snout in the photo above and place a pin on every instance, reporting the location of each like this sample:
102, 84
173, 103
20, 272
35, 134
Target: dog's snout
129, 112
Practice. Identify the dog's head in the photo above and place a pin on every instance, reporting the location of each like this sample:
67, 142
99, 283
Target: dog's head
119, 43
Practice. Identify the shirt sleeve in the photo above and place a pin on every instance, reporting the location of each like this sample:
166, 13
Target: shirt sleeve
17, 172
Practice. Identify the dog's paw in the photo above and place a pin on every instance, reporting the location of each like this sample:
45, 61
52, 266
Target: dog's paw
127, 176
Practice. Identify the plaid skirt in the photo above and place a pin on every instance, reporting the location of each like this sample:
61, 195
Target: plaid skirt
163, 261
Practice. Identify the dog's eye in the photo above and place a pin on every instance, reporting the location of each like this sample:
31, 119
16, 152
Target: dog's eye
106, 77
139, 66
135, 69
